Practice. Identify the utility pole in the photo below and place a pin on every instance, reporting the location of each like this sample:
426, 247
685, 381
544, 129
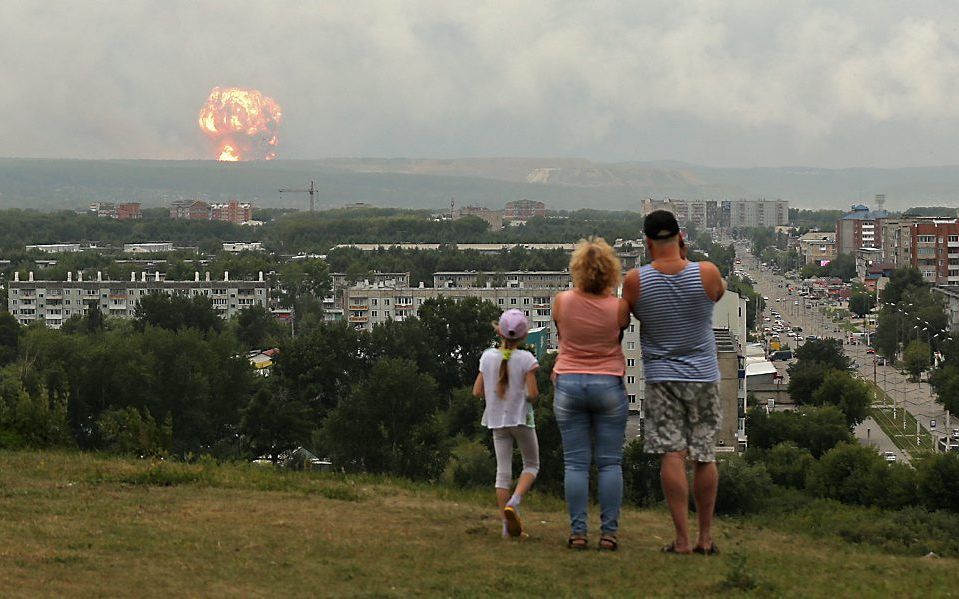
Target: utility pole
311, 190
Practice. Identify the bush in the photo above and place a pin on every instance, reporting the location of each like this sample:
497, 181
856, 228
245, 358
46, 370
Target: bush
815, 429
471, 465
743, 488
789, 465
939, 482
641, 482
852, 473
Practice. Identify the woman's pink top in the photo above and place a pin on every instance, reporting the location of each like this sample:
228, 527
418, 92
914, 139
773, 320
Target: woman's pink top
589, 340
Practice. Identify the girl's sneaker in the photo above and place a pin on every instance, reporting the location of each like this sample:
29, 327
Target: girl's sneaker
514, 524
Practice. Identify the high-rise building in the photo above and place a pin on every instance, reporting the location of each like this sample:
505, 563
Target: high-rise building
859, 228
756, 213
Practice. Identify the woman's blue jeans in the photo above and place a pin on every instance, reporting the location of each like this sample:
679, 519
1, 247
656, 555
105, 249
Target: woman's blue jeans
591, 411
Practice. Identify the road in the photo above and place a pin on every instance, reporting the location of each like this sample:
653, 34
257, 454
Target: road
918, 398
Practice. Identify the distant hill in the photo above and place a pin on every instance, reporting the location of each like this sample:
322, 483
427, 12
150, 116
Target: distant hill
563, 183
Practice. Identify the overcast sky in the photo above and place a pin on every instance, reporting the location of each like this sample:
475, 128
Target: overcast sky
739, 83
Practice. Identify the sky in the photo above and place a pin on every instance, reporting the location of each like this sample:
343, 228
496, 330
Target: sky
747, 83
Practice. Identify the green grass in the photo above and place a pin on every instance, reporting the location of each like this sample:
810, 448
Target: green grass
86, 525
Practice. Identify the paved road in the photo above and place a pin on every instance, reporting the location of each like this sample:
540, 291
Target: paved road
869, 433
919, 399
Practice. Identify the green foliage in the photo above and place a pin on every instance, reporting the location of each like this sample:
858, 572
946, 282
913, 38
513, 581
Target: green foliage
256, 328
789, 465
641, 481
389, 424
273, 422
30, 418
945, 380
816, 429
738, 577
861, 302
900, 283
130, 431
754, 301
856, 474
471, 465
9, 337
300, 278
813, 360
176, 312
939, 482
850, 395
743, 488
916, 358
459, 334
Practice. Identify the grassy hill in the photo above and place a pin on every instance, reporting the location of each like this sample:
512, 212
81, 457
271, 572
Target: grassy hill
74, 524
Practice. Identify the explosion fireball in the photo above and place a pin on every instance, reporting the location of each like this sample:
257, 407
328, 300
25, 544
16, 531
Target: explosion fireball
242, 123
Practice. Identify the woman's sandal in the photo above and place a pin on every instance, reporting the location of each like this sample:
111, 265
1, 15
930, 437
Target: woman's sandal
608, 543
578, 542
712, 550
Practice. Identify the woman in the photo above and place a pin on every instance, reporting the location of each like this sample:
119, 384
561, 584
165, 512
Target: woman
590, 402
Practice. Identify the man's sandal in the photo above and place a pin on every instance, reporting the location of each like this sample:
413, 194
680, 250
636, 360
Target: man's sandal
711, 550
578, 542
608, 543
671, 548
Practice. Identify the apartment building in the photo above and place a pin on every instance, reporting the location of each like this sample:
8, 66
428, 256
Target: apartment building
190, 210
702, 214
950, 294
935, 250
817, 247
858, 228
56, 301
522, 210
558, 279
756, 213
896, 240
118, 211
233, 212
732, 392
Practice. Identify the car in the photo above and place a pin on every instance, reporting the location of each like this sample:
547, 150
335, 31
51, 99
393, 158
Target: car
870, 351
799, 337
811, 338
766, 298
767, 319
880, 361
889, 456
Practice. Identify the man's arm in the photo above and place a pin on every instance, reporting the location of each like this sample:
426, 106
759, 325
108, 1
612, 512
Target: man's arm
713, 281
631, 289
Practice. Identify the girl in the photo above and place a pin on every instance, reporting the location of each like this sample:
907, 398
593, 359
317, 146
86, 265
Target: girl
507, 380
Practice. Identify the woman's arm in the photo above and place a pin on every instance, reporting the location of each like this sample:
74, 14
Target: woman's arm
478, 389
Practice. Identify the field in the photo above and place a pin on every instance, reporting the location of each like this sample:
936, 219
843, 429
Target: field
81, 525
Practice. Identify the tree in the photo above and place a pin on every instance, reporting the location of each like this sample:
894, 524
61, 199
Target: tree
804, 379
176, 312
309, 277
846, 473
826, 352
901, 281
789, 465
389, 424
458, 334
256, 327
273, 422
945, 380
851, 396
9, 337
916, 358
939, 482
861, 303
815, 429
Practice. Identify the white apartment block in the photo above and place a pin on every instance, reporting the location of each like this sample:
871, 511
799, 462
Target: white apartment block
243, 246
56, 301
557, 279
55, 248
757, 213
148, 248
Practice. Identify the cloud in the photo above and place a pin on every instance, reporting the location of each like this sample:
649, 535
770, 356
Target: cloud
609, 80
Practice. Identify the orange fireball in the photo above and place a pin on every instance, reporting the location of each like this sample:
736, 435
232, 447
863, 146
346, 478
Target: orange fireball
242, 123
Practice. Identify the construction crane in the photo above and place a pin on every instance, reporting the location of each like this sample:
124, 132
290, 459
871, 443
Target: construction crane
312, 191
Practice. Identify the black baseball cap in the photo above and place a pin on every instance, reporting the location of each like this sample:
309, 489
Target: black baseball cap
660, 224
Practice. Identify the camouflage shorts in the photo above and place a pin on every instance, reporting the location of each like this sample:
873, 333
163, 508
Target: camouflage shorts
681, 415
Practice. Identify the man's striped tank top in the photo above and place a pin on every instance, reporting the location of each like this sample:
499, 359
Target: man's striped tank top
676, 326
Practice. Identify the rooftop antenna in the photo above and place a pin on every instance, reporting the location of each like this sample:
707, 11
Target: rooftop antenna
452, 211
880, 201
311, 190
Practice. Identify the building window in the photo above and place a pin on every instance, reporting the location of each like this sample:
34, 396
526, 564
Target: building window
630, 345
630, 380
632, 397
512, 301
630, 362
373, 301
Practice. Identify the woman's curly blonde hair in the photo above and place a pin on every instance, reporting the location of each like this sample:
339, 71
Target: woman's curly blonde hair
595, 267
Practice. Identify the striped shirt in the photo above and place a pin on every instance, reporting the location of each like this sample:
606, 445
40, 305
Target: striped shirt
676, 326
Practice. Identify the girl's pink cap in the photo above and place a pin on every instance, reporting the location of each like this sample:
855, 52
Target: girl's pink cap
513, 324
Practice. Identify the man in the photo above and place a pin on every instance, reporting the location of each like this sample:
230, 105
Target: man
673, 299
